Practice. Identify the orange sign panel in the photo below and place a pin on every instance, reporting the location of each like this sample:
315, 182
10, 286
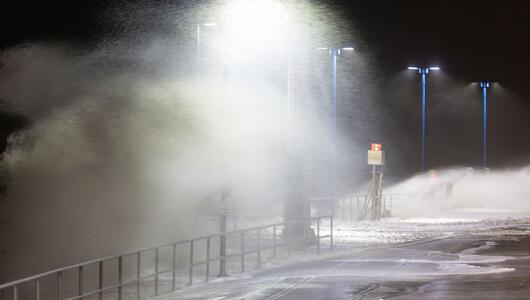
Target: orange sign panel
376, 147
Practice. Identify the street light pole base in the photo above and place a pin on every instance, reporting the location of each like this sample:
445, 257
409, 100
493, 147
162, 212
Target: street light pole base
222, 274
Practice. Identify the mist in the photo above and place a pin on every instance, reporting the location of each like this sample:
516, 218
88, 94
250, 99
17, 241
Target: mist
464, 193
131, 138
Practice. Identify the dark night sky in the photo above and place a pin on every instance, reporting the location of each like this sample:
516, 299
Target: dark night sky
470, 40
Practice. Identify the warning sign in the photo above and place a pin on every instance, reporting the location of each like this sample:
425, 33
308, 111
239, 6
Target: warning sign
375, 155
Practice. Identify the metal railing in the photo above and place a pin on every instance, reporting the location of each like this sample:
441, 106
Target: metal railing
353, 207
360, 205
107, 286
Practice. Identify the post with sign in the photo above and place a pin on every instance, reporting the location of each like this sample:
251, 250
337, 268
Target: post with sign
376, 158
225, 193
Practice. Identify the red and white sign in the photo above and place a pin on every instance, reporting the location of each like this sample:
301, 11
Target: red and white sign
376, 147
376, 156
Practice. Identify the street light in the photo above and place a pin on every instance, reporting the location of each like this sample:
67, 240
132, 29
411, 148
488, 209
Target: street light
423, 71
484, 85
334, 52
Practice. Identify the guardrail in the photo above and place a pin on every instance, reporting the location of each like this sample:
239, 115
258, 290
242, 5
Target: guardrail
32, 286
350, 207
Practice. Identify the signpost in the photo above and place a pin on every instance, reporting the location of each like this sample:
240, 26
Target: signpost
225, 193
376, 157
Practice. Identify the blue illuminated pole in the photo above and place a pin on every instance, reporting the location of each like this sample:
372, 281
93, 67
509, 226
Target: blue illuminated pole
423, 73
334, 52
484, 86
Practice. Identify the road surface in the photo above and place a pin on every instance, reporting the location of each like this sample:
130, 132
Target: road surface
489, 265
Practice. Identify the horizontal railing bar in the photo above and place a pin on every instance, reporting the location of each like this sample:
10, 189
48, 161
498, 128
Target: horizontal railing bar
125, 283
98, 260
355, 195
145, 277
214, 259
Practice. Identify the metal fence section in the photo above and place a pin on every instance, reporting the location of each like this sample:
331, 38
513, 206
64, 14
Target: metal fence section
355, 207
155, 271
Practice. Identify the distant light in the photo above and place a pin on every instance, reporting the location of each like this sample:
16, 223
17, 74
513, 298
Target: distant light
322, 48
209, 24
412, 68
434, 68
348, 48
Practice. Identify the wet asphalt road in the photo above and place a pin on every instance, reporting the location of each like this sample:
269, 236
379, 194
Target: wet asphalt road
459, 267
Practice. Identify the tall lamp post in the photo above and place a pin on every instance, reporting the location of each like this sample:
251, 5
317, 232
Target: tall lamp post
334, 52
484, 86
423, 71
225, 191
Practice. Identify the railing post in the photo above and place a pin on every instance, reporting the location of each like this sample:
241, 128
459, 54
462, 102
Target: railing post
242, 251
156, 271
290, 237
174, 267
343, 208
60, 285
80, 279
304, 231
358, 208
274, 241
15, 292
318, 236
207, 259
37, 289
190, 281
331, 233
351, 209
120, 277
259, 248
138, 274
222, 253
100, 285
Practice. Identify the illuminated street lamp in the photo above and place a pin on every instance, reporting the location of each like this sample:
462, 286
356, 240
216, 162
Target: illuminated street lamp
334, 52
484, 86
423, 71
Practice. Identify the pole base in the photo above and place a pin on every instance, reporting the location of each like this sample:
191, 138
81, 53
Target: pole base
222, 274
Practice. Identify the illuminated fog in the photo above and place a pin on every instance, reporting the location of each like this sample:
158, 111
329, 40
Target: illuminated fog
131, 139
